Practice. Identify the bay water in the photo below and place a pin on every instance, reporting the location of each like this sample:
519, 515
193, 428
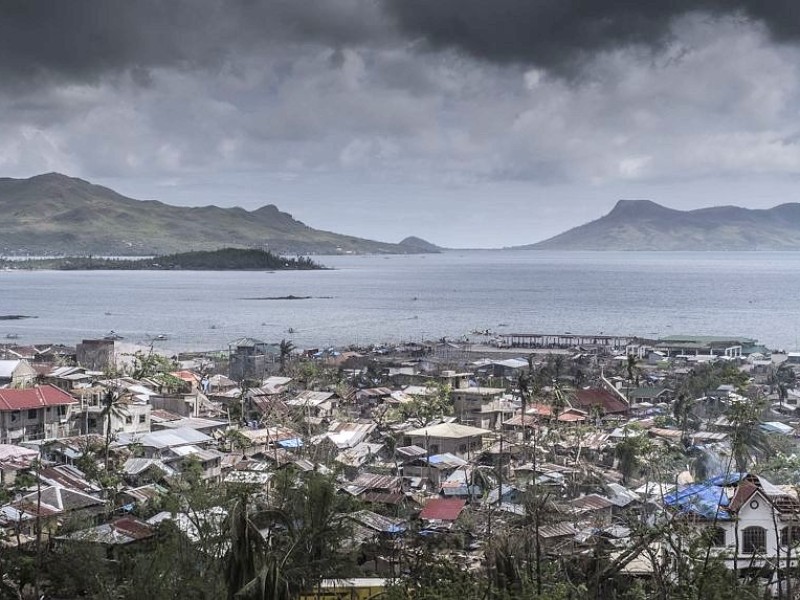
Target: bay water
384, 299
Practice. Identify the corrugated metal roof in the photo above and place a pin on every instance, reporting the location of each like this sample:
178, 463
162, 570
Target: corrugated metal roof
443, 509
590, 502
557, 530
166, 438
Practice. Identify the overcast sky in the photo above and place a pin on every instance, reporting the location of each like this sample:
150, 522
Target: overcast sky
470, 123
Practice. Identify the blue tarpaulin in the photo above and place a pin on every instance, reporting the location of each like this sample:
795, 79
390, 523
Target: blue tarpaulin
707, 499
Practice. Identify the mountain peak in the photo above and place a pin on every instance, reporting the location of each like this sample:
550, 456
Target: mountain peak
645, 225
419, 245
53, 176
54, 213
638, 209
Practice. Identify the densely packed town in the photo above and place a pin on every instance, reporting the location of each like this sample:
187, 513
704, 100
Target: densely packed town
537, 466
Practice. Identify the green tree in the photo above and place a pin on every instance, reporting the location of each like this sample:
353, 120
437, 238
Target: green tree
286, 348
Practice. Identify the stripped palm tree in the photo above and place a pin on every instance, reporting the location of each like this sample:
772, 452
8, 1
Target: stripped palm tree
300, 545
113, 408
285, 348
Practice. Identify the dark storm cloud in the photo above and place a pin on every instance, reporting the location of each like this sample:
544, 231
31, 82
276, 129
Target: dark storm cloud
82, 39
559, 35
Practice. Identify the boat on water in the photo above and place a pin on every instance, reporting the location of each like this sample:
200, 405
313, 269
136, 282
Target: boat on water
113, 335
160, 337
12, 336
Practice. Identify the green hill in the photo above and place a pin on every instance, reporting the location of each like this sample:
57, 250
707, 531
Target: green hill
645, 225
57, 214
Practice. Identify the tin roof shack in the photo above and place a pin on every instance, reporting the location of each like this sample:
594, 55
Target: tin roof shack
180, 449
599, 400
14, 459
159, 444
481, 406
437, 468
53, 506
123, 532
368, 485
143, 471
593, 510
37, 413
652, 395
442, 513
17, 373
557, 539
70, 378
319, 405
453, 438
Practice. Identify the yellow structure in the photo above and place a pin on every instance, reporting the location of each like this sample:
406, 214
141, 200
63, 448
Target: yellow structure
364, 588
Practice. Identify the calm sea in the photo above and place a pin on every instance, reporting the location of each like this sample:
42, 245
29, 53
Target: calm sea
368, 299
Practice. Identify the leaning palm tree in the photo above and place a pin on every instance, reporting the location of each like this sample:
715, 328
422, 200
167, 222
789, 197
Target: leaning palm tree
749, 441
285, 348
786, 380
302, 535
631, 368
113, 408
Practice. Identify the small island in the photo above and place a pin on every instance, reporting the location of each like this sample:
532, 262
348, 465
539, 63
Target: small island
224, 259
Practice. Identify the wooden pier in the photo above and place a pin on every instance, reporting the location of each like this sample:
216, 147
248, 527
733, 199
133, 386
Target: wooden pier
564, 340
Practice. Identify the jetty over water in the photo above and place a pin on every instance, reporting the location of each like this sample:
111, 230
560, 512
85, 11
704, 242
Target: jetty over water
564, 340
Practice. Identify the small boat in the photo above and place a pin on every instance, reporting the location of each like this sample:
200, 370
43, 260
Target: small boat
161, 337
113, 335
12, 336
291, 330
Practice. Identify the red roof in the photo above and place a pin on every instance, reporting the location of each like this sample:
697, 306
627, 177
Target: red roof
132, 527
45, 395
187, 376
443, 509
608, 402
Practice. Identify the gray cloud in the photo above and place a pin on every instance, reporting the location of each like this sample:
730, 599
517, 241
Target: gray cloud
561, 35
331, 107
84, 39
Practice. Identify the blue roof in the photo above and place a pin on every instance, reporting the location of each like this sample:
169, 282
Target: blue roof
706, 499
292, 443
728, 479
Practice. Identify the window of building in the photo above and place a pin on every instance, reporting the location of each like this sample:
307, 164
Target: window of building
62, 410
754, 539
716, 536
128, 420
790, 535
14, 416
32, 413
142, 418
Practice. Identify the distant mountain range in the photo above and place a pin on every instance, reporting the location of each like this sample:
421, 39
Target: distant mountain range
645, 225
56, 214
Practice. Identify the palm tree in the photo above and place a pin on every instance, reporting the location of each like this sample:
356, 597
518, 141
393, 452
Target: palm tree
748, 441
113, 408
631, 369
285, 348
304, 532
786, 379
